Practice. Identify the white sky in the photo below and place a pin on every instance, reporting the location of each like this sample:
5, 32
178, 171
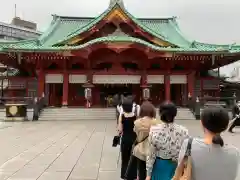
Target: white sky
211, 21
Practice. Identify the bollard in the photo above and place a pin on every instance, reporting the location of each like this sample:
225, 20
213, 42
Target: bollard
197, 109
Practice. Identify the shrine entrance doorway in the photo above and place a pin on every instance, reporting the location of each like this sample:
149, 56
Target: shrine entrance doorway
179, 94
76, 96
178, 89
55, 93
107, 92
157, 95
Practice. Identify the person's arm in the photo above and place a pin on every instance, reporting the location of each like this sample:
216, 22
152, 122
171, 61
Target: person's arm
138, 110
120, 128
135, 128
238, 164
180, 168
151, 156
182, 152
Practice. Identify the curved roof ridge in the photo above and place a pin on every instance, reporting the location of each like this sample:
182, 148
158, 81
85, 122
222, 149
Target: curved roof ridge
137, 21
111, 39
99, 18
72, 17
155, 18
145, 28
90, 24
53, 25
19, 41
211, 44
175, 25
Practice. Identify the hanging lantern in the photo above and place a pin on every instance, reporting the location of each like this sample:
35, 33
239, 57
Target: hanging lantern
146, 93
88, 93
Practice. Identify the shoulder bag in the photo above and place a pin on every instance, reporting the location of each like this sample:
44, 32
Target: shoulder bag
184, 170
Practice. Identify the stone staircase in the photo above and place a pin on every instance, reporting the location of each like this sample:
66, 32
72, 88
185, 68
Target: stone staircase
183, 114
78, 114
2, 114
96, 113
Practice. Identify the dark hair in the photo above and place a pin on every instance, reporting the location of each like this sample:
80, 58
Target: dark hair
167, 112
127, 105
215, 119
147, 109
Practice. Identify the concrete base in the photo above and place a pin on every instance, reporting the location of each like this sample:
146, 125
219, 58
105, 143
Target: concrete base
15, 118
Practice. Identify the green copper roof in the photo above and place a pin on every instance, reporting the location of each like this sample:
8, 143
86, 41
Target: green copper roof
225, 47
108, 39
165, 29
168, 29
62, 28
28, 44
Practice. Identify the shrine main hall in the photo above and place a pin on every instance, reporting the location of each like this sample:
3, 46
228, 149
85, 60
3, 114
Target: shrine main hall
81, 59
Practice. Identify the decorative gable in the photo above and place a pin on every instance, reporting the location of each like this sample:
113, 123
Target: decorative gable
116, 15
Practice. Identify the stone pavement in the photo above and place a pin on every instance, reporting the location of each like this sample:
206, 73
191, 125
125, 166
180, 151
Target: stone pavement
70, 150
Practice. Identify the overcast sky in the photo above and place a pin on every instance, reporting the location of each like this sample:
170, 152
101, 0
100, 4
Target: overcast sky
212, 21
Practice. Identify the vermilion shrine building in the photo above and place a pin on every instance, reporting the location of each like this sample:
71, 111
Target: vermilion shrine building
113, 53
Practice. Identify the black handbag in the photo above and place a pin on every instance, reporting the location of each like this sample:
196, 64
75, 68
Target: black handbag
116, 141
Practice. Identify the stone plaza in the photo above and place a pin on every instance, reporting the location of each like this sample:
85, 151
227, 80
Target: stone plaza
66, 150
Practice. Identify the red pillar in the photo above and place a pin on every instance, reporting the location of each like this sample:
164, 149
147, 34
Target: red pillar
41, 83
26, 84
201, 87
190, 83
65, 89
167, 87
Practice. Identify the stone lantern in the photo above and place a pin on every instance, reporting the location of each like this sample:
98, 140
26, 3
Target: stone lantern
146, 93
88, 94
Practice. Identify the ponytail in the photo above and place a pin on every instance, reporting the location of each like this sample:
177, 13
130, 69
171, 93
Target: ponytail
217, 139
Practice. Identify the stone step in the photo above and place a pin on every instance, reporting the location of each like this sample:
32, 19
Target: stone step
182, 114
78, 114
96, 113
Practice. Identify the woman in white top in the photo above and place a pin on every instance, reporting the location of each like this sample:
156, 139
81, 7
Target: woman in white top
165, 142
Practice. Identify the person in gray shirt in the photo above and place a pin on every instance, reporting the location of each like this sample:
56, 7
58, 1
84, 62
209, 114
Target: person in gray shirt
212, 159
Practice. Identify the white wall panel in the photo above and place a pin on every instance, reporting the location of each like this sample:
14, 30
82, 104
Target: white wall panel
77, 78
155, 79
116, 79
54, 78
178, 79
